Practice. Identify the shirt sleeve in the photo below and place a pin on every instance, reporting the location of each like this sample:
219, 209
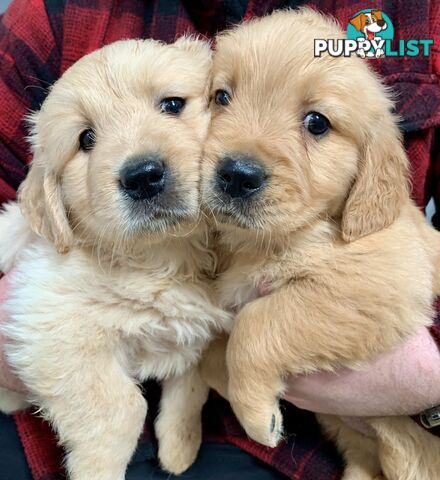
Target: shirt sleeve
29, 64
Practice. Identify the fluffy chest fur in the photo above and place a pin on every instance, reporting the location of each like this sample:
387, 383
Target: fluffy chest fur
251, 268
156, 310
392, 279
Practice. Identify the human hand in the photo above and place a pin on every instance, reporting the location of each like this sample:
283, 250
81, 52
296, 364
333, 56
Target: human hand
7, 378
403, 382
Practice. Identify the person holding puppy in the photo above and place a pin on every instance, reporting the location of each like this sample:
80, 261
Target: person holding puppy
40, 40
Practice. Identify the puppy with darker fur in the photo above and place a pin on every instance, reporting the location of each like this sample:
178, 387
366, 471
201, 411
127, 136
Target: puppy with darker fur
326, 260
112, 287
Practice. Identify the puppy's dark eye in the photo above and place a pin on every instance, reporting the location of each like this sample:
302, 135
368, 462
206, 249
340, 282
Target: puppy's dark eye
87, 139
172, 105
316, 123
222, 97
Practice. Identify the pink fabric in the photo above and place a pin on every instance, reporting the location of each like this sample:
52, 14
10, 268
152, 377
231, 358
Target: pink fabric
7, 379
403, 382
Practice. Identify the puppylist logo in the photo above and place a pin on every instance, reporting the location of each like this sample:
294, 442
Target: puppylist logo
370, 34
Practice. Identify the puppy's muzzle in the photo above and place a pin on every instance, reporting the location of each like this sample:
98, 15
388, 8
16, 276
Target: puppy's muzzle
240, 176
142, 178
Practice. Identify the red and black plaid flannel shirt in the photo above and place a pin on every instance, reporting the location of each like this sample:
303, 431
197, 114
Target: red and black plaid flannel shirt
40, 39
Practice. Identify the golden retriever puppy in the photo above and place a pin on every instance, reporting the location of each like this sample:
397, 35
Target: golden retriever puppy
114, 289
326, 260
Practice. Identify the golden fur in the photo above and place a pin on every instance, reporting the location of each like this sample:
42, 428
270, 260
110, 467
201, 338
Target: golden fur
111, 292
343, 258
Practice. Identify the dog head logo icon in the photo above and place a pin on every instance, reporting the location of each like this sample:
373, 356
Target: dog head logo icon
371, 28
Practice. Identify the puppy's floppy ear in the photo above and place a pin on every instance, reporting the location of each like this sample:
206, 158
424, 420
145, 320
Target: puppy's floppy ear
357, 21
381, 185
41, 202
377, 14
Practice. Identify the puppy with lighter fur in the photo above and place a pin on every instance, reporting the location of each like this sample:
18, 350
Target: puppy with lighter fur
112, 287
326, 260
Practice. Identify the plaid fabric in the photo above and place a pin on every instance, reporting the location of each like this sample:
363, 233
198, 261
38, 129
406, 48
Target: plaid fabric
39, 40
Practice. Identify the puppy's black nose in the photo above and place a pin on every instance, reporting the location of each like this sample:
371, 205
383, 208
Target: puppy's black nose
381, 23
240, 177
143, 179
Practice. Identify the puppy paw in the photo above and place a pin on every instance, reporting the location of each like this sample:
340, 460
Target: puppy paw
380, 53
178, 446
361, 53
263, 427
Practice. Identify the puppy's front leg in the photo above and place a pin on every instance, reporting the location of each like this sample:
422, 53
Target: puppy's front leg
255, 370
99, 413
305, 326
179, 424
